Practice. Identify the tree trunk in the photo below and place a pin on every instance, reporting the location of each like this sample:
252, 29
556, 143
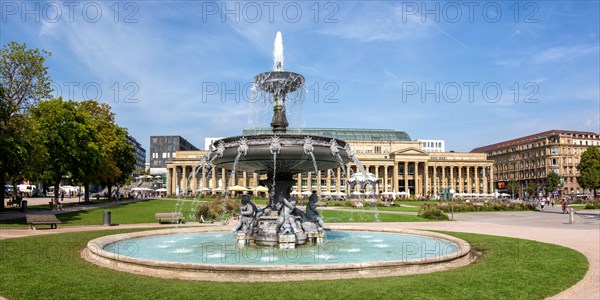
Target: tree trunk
57, 190
3, 180
109, 187
86, 197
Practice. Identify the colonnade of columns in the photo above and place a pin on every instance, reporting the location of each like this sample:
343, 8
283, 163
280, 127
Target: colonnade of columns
418, 178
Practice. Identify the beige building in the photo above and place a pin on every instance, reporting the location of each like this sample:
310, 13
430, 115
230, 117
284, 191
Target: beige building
399, 164
532, 158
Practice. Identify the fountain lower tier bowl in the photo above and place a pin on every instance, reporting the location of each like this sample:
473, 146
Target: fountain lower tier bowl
279, 81
205, 253
292, 155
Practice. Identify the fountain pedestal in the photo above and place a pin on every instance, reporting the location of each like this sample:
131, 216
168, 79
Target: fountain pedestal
244, 239
266, 233
287, 241
315, 238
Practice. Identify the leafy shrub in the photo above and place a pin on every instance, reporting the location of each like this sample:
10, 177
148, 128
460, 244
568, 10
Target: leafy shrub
432, 212
212, 210
486, 206
348, 203
593, 205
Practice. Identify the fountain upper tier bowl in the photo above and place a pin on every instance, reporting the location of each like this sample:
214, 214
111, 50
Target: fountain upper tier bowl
279, 81
255, 153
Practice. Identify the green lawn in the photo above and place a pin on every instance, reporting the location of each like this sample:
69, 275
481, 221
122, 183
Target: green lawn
50, 267
341, 216
400, 208
143, 212
132, 213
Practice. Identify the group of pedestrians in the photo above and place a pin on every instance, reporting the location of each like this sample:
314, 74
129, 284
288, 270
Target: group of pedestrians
550, 201
544, 201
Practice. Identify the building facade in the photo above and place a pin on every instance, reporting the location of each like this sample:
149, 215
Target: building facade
398, 163
532, 158
433, 145
163, 149
140, 156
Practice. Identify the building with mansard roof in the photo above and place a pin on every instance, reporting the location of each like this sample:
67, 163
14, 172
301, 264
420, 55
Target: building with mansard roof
531, 158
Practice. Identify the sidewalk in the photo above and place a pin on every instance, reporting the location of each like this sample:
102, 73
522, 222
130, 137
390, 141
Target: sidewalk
7, 215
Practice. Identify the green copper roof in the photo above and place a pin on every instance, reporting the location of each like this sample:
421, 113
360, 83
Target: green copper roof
351, 134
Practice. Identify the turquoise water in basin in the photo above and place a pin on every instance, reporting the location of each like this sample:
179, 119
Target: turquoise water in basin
339, 247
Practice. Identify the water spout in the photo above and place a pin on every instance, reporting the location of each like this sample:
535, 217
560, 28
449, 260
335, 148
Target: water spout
242, 150
335, 151
278, 53
308, 150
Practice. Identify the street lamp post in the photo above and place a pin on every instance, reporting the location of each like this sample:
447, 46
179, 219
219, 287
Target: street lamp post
452, 202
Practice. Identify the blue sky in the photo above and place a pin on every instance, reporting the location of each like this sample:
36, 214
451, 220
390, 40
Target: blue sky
471, 74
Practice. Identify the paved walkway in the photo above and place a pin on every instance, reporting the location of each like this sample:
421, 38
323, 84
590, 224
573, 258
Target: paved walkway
549, 226
74, 206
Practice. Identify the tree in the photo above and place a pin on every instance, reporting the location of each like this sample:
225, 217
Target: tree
552, 182
531, 189
117, 159
512, 187
589, 169
122, 155
23, 82
68, 140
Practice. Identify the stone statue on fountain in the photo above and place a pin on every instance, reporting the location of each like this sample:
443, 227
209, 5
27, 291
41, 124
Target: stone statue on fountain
312, 215
247, 216
286, 223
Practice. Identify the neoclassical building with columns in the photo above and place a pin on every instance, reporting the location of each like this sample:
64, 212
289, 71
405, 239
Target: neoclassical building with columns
398, 163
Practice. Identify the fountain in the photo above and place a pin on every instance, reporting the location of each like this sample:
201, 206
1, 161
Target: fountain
280, 155
279, 242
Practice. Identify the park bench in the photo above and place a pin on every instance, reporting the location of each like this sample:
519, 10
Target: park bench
14, 202
40, 219
169, 216
321, 204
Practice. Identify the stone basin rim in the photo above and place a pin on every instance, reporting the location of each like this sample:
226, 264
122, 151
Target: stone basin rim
95, 252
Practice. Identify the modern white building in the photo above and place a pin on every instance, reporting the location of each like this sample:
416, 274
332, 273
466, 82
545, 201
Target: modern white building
433, 145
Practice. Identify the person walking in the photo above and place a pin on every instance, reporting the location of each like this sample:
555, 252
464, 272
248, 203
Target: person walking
542, 204
565, 206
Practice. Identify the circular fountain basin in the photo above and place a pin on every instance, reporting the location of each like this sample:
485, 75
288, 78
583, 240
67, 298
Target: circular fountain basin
279, 81
200, 254
291, 157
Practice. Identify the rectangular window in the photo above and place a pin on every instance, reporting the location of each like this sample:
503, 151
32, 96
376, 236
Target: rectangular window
554, 151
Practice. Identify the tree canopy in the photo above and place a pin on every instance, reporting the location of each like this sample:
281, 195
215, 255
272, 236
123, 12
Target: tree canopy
589, 169
552, 181
512, 187
23, 78
531, 189
51, 139
117, 157
68, 138
23, 82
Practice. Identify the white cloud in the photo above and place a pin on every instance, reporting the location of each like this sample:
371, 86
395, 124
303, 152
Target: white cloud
509, 63
564, 53
383, 25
